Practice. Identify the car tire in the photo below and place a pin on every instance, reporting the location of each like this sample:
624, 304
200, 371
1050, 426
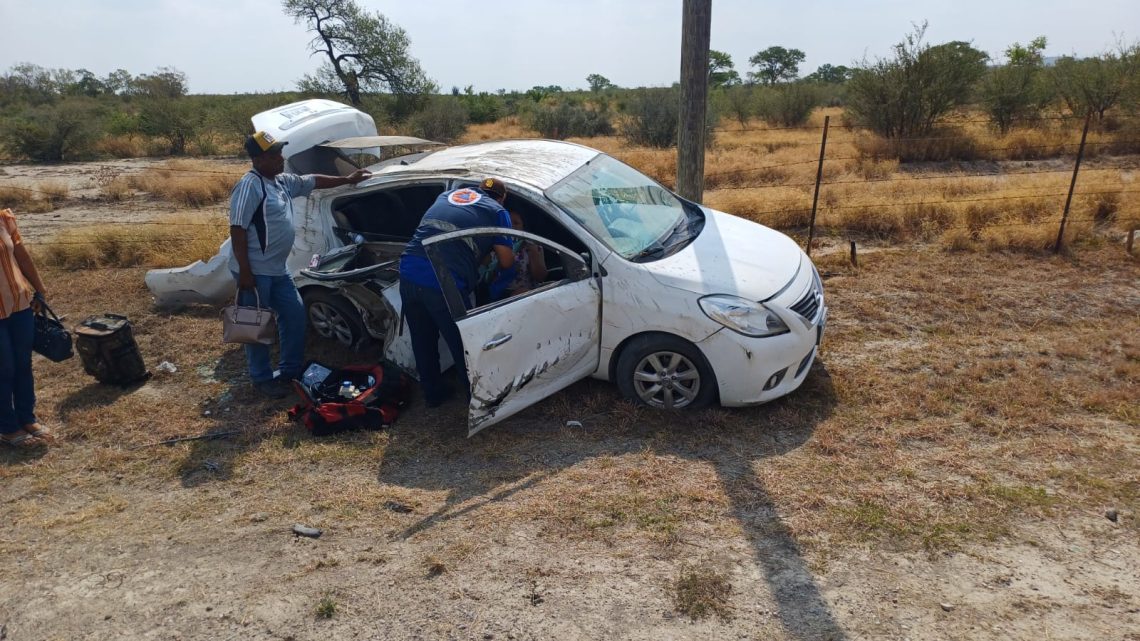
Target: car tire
331, 316
665, 372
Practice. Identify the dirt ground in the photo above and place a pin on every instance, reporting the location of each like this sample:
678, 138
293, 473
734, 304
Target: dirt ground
948, 471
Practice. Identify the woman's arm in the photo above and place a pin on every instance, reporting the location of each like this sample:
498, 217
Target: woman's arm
537, 263
28, 268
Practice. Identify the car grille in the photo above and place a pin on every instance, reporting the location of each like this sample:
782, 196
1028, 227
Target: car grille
808, 306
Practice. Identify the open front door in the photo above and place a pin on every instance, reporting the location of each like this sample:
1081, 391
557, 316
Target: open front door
524, 348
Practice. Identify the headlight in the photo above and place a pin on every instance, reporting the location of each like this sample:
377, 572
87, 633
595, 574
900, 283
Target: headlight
742, 315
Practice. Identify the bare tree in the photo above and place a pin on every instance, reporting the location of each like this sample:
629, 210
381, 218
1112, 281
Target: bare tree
365, 51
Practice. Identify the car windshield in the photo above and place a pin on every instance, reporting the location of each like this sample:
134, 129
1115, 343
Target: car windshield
623, 208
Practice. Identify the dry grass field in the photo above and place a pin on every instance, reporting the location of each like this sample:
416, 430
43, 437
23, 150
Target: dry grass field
962, 462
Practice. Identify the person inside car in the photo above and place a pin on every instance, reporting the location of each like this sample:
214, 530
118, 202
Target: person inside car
528, 271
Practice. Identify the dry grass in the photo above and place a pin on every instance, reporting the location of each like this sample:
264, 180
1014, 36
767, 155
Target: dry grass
177, 241
122, 146
33, 196
505, 129
702, 591
194, 183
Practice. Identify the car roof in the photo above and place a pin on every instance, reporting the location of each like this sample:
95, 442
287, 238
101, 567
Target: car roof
538, 163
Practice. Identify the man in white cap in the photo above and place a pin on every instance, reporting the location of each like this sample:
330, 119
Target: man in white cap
261, 235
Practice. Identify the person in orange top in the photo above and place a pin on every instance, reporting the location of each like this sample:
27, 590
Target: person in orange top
20, 290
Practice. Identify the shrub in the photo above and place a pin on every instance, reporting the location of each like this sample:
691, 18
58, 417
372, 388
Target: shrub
652, 116
173, 120
787, 105
482, 107
50, 133
1008, 95
736, 102
564, 119
442, 119
904, 96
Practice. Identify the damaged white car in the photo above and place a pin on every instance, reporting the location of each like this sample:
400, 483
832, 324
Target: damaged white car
678, 304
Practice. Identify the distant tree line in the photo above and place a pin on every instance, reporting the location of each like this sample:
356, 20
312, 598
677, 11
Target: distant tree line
59, 114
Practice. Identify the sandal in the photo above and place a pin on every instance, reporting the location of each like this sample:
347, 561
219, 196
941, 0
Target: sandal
16, 439
35, 430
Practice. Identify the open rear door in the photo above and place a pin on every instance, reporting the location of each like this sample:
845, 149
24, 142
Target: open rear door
523, 349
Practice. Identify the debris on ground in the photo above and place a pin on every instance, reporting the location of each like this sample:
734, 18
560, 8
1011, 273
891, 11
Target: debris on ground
304, 530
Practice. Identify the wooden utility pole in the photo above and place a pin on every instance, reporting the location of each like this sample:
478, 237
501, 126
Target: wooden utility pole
696, 26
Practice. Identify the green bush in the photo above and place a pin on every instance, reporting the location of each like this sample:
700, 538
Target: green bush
905, 95
443, 119
48, 133
1012, 94
787, 105
482, 107
174, 120
564, 119
735, 101
651, 117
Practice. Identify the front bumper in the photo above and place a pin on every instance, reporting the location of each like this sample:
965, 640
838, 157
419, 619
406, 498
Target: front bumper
750, 371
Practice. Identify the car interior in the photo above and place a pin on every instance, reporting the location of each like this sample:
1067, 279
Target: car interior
385, 220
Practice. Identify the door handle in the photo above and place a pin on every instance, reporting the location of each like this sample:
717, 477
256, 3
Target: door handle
495, 342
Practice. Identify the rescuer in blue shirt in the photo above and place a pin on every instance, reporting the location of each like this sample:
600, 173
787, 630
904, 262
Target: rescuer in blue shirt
421, 296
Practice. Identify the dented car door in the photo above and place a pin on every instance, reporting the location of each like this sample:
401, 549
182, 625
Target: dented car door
524, 348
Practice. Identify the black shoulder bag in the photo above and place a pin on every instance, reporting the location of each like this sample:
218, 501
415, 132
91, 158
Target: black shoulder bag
51, 339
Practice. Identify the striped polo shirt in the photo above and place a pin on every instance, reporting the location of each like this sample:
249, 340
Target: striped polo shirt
264, 208
15, 290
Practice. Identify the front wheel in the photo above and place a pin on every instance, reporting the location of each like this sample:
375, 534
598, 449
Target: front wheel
333, 317
665, 372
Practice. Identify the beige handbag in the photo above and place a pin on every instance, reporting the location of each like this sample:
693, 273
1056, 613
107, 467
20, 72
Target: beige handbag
249, 325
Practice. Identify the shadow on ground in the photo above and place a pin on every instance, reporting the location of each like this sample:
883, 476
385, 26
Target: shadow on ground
433, 453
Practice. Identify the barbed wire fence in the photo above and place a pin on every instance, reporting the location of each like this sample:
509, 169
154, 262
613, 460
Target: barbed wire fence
1131, 224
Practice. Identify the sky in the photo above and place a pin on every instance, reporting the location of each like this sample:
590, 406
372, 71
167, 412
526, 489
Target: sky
242, 46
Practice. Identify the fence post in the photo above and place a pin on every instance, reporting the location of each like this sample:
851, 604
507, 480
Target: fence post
854, 256
1073, 183
818, 179
1132, 238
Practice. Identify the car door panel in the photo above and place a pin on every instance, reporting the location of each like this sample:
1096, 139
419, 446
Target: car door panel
522, 350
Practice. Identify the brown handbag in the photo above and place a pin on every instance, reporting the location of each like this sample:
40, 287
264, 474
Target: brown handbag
249, 325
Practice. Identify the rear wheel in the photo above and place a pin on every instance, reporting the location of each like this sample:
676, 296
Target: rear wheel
333, 317
665, 372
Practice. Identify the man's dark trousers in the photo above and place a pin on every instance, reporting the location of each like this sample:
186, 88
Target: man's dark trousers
428, 318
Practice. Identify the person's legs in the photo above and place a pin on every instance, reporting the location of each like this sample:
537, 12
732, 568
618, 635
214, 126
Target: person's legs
8, 424
291, 320
21, 332
441, 315
257, 355
425, 341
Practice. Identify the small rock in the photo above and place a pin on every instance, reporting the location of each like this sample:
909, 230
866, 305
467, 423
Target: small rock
574, 424
488, 636
304, 530
207, 413
1111, 514
259, 517
947, 607
396, 506
167, 367
211, 466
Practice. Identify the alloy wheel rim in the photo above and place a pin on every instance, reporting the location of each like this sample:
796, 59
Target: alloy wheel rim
330, 323
667, 380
